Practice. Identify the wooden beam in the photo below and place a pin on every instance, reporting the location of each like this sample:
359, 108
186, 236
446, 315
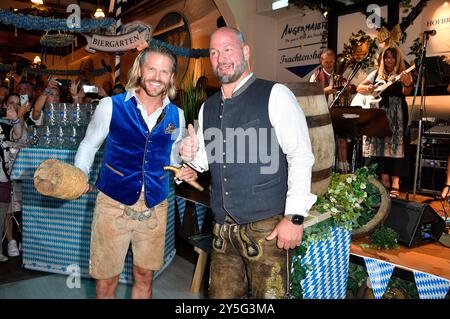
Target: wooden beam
393, 12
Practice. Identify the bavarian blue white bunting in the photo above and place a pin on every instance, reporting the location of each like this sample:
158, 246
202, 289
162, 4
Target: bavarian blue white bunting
431, 287
181, 203
380, 273
201, 212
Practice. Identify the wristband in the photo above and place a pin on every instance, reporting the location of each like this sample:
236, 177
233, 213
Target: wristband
46, 92
17, 121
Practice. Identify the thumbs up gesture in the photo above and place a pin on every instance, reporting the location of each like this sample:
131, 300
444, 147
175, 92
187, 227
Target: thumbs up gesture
189, 145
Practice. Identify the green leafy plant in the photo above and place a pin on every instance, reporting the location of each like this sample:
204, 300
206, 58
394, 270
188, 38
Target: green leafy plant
192, 98
298, 273
384, 238
351, 200
357, 276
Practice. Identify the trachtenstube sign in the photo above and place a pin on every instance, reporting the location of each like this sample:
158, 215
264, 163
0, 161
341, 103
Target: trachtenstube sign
299, 46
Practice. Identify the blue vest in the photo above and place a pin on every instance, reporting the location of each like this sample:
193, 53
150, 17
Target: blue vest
135, 155
240, 189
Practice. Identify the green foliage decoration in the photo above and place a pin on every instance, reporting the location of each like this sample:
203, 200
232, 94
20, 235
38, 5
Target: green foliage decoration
352, 202
384, 238
192, 98
357, 276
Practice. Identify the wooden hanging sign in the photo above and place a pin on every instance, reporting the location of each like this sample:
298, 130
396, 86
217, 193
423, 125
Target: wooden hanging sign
116, 43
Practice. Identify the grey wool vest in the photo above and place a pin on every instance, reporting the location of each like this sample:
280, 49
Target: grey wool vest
248, 168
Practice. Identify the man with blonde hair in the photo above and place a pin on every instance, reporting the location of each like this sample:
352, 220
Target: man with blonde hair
142, 129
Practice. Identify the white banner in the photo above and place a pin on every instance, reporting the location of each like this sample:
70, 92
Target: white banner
436, 16
116, 43
299, 46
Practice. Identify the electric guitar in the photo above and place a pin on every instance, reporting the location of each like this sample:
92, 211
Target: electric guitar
372, 101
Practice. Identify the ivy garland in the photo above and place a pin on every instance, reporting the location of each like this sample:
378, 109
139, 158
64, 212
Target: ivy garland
352, 202
31, 22
180, 51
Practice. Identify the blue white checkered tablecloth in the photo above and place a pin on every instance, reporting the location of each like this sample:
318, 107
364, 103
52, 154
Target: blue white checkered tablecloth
56, 233
328, 259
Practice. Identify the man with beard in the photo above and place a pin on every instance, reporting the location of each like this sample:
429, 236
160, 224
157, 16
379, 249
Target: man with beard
142, 129
258, 211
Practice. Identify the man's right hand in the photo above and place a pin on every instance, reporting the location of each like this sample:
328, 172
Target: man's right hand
189, 145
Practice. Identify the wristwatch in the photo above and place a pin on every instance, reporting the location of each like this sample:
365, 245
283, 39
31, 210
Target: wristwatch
295, 219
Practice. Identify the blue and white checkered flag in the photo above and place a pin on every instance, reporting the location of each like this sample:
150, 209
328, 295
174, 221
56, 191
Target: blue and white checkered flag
201, 212
431, 287
181, 203
380, 273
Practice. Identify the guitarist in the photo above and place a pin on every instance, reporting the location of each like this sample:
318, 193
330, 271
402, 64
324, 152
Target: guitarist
390, 152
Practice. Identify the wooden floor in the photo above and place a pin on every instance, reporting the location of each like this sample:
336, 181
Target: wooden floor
173, 283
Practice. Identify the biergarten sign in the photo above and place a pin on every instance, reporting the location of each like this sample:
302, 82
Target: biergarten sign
116, 43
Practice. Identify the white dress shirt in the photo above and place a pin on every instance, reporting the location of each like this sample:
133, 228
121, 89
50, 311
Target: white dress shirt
291, 130
98, 130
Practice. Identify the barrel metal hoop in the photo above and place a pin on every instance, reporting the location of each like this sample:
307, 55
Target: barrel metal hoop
317, 176
318, 120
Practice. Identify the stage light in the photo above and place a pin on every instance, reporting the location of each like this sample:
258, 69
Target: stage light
37, 1
37, 59
99, 13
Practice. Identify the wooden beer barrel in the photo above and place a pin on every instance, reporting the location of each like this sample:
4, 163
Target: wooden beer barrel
61, 180
312, 101
381, 214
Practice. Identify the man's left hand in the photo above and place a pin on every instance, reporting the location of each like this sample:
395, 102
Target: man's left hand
288, 234
187, 174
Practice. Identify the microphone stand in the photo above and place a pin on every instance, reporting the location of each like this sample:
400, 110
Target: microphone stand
352, 75
421, 80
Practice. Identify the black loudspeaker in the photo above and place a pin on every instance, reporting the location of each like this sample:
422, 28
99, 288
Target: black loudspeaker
415, 223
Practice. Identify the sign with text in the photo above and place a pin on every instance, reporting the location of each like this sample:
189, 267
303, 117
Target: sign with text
436, 16
116, 43
299, 46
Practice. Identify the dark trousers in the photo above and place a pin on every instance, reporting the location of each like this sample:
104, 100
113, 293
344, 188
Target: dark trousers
242, 260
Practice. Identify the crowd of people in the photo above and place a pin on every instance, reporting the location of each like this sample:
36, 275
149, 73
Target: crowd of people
23, 105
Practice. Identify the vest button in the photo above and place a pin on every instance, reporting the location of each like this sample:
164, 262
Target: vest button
225, 179
224, 166
226, 193
220, 116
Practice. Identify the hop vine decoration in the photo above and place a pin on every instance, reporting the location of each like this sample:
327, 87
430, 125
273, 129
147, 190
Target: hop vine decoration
351, 200
384, 238
358, 39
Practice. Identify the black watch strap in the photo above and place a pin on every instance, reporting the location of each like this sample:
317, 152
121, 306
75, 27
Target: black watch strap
295, 219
